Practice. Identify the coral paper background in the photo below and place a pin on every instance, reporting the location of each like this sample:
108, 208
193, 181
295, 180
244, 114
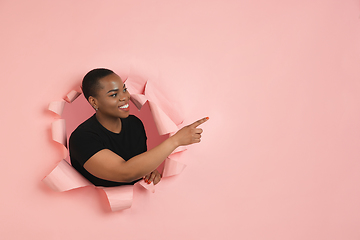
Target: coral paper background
279, 80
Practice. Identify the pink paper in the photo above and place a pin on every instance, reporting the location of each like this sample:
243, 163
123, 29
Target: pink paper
150, 187
57, 107
164, 120
59, 131
179, 149
71, 96
64, 177
136, 84
120, 198
139, 100
172, 167
154, 95
163, 123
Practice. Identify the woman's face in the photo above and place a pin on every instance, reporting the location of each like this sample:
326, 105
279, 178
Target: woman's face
112, 99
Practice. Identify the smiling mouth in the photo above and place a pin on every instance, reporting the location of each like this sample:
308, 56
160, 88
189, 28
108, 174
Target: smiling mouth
125, 107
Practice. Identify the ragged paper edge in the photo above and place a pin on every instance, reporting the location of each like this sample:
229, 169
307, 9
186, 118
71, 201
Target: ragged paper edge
64, 177
72, 95
120, 197
58, 130
150, 187
57, 107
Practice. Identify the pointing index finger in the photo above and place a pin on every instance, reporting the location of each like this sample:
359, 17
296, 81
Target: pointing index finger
199, 122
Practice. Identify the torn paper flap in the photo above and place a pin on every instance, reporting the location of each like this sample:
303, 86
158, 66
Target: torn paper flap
150, 187
120, 198
72, 95
163, 123
154, 95
136, 84
57, 107
59, 131
139, 100
64, 177
172, 167
179, 149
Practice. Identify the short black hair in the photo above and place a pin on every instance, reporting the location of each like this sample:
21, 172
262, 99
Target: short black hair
90, 83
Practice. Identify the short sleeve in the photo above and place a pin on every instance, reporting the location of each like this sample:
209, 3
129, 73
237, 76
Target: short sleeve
83, 145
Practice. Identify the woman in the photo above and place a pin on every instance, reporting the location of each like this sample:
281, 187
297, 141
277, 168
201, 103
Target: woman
109, 149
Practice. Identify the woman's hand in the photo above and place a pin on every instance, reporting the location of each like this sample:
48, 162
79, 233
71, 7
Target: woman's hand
154, 177
189, 134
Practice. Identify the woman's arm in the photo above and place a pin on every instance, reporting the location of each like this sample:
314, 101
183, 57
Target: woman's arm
107, 165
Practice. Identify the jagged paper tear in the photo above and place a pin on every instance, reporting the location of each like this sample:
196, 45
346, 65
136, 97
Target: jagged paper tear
71, 96
119, 198
58, 129
57, 107
64, 177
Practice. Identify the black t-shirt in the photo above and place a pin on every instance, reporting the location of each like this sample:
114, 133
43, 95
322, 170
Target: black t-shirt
90, 137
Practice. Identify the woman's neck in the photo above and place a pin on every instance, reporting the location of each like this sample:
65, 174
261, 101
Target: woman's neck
111, 124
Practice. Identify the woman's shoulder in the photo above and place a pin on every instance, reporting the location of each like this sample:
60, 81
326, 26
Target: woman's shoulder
133, 120
88, 125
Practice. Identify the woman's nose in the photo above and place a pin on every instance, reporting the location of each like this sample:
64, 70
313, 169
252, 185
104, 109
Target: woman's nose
124, 97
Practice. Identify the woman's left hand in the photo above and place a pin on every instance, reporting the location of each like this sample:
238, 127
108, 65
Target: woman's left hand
154, 177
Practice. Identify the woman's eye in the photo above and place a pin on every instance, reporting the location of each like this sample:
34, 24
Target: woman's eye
125, 89
113, 95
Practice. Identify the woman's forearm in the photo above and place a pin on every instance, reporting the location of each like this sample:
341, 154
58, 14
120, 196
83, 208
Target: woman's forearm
144, 163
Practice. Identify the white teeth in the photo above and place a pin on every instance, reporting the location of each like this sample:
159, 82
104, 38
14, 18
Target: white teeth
125, 106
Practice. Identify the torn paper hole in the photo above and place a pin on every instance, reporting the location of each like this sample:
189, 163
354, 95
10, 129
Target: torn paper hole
64, 177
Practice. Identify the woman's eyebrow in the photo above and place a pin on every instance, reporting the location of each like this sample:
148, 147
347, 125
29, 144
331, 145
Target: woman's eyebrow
113, 90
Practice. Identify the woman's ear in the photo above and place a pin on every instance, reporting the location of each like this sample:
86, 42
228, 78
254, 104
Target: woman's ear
93, 102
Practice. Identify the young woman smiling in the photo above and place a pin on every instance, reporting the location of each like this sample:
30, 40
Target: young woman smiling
109, 149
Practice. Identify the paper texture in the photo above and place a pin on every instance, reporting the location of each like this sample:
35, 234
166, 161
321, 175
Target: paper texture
150, 187
71, 96
119, 198
162, 121
58, 129
169, 107
172, 167
64, 177
57, 107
